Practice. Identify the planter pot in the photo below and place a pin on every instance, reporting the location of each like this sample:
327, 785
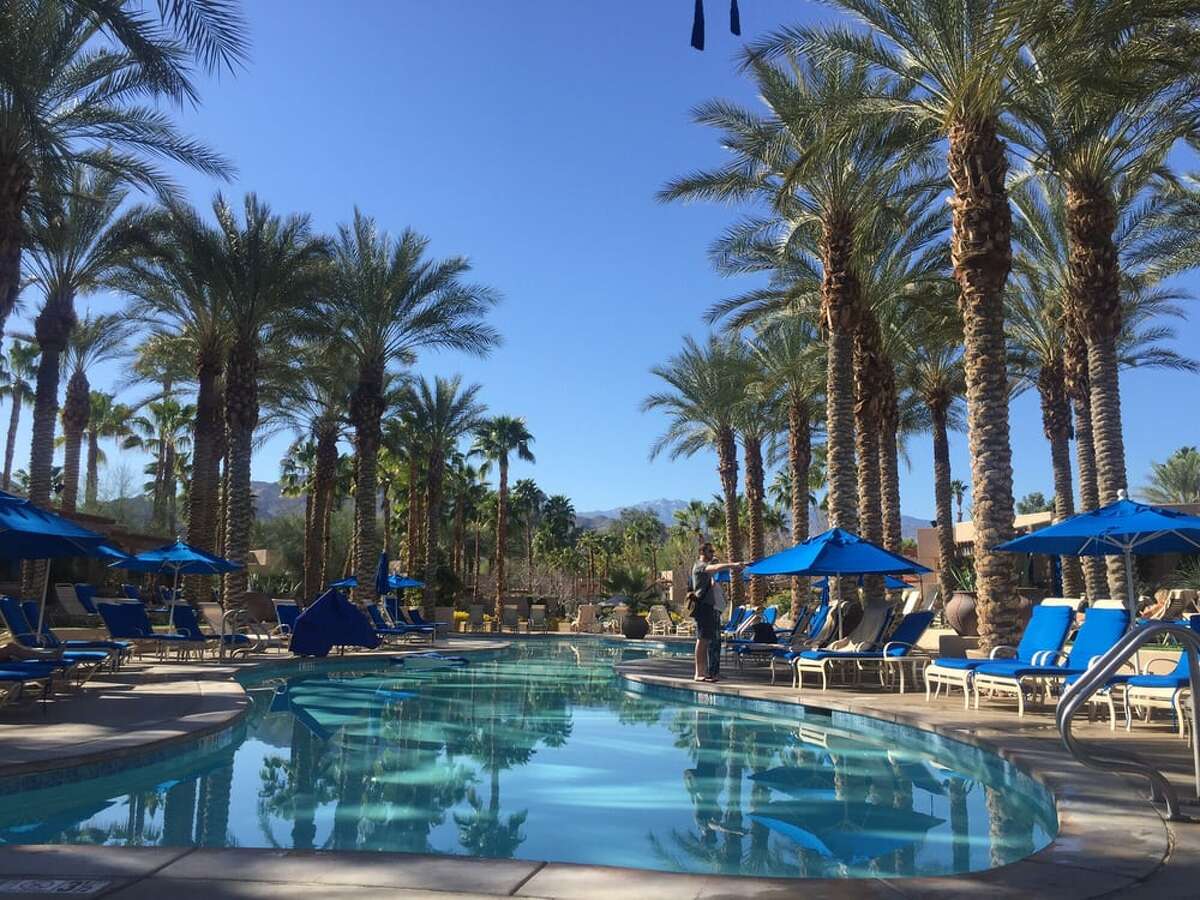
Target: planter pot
634, 627
961, 614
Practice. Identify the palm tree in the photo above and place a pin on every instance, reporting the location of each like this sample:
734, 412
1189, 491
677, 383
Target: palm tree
527, 500
828, 181
1100, 108
18, 386
446, 411
69, 100
107, 420
758, 421
692, 520
163, 430
957, 60
959, 489
389, 301
705, 385
75, 248
267, 266
496, 438
172, 281
1177, 480
94, 340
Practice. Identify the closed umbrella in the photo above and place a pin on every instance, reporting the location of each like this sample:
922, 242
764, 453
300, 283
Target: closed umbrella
30, 532
1123, 528
179, 559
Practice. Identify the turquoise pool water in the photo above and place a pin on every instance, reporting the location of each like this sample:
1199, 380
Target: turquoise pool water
543, 752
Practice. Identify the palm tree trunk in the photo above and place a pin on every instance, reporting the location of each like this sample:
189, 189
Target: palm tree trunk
324, 473
433, 518
77, 407
171, 491
529, 549
53, 328
839, 311
366, 413
385, 519
943, 497
866, 430
1056, 424
752, 451
412, 525
206, 470
459, 554
501, 535
223, 502
981, 253
799, 462
91, 489
10, 445
15, 179
241, 418
1095, 284
727, 469
475, 564
889, 460
1075, 372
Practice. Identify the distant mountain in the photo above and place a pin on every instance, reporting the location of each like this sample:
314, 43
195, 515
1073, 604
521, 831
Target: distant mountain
664, 509
269, 503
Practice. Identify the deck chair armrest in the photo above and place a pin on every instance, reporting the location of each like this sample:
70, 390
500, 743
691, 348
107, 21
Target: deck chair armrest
1048, 658
1010, 650
887, 648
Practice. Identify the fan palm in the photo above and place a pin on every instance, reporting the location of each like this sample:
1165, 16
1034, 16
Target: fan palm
956, 59
389, 301
163, 430
496, 439
829, 182
267, 265
94, 340
705, 385
67, 99
446, 411
527, 500
107, 420
18, 386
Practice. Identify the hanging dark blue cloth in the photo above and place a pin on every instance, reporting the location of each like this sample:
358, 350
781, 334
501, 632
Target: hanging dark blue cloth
735, 22
332, 621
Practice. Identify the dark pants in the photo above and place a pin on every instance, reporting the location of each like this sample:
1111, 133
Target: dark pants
708, 627
714, 655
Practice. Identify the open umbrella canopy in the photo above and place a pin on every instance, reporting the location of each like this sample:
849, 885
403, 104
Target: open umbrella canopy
723, 576
395, 583
178, 557
29, 532
851, 831
1114, 530
836, 552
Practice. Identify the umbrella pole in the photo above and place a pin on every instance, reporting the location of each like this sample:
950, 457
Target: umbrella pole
1130, 599
174, 591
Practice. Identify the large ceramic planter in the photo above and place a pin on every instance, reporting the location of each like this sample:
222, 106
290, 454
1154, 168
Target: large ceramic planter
634, 627
961, 614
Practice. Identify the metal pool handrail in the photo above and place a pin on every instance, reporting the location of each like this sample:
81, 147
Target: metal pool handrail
1110, 759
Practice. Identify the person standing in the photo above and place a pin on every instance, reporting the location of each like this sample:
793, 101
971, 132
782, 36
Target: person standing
709, 602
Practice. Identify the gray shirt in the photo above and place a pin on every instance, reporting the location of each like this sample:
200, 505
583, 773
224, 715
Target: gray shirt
708, 592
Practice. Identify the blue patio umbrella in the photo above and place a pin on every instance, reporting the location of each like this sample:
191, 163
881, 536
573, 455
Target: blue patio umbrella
395, 583
723, 576
30, 532
836, 552
180, 559
1123, 528
852, 831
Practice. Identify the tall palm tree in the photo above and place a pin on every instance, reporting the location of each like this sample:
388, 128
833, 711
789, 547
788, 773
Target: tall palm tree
1177, 480
163, 430
447, 411
68, 99
173, 283
1100, 108
18, 386
934, 368
389, 301
828, 181
705, 383
759, 420
957, 60
1040, 304
75, 249
95, 339
268, 265
107, 420
527, 500
496, 439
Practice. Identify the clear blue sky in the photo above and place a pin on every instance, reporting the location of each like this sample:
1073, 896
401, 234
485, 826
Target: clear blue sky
531, 136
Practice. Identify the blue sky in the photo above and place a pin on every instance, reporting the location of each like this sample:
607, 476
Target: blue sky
532, 136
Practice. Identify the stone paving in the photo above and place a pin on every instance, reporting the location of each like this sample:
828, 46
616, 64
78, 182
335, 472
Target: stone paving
1112, 841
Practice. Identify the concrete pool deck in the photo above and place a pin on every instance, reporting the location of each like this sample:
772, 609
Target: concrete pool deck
1112, 840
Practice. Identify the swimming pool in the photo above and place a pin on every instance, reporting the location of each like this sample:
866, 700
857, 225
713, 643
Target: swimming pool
543, 752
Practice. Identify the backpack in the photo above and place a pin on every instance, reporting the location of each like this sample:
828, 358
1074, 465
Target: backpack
692, 600
764, 633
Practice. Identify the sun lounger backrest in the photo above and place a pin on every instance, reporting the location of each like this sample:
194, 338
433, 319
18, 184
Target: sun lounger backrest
770, 614
69, 601
909, 631
509, 616
85, 594
1071, 602
376, 617
30, 609
537, 615
131, 592
286, 612
14, 619
125, 620
1046, 630
911, 599
214, 616
183, 617
1102, 627
872, 627
475, 614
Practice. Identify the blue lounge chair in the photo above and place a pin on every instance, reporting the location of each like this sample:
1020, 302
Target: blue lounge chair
1102, 627
770, 614
820, 625
188, 624
16, 674
80, 663
131, 592
1040, 642
414, 616
398, 630
866, 638
119, 649
127, 621
898, 651
286, 612
86, 595
735, 620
